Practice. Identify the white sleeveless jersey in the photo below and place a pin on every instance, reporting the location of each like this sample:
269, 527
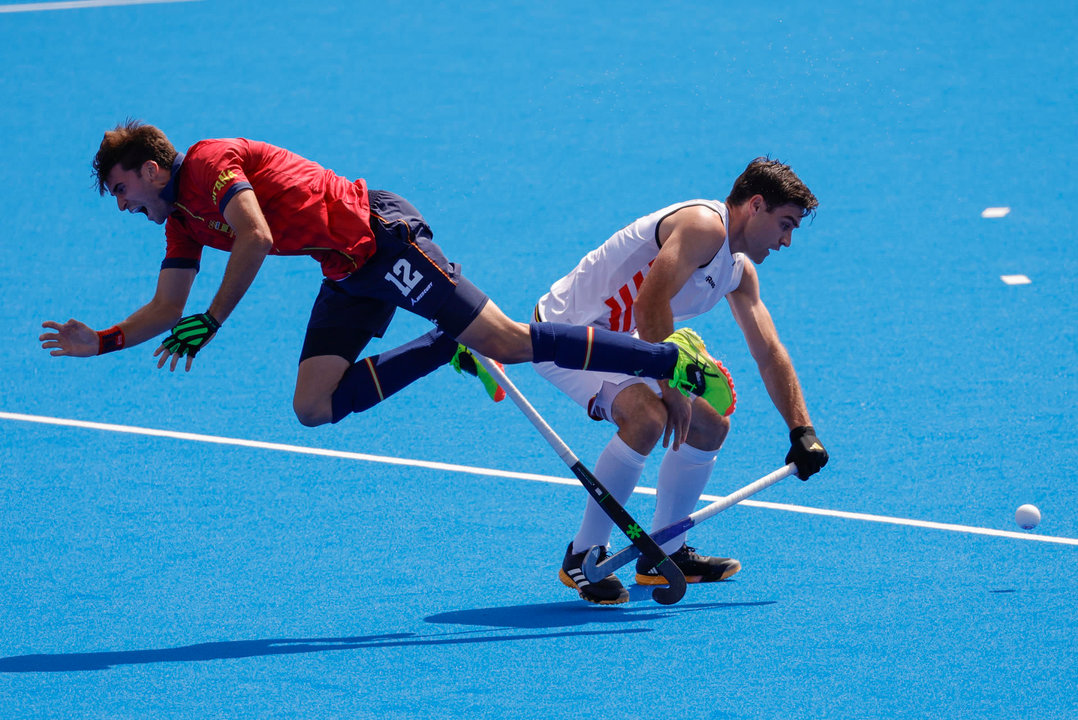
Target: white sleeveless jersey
602, 288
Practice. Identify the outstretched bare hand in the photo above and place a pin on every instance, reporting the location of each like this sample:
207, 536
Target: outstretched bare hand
73, 338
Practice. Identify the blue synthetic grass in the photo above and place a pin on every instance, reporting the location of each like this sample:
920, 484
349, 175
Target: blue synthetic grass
157, 577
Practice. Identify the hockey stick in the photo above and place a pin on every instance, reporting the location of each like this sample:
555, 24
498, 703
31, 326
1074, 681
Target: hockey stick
594, 572
641, 541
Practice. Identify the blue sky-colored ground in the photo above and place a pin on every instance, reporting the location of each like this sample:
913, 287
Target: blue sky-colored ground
155, 576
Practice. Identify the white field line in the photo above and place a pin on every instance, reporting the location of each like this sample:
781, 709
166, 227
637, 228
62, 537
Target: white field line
78, 4
450, 467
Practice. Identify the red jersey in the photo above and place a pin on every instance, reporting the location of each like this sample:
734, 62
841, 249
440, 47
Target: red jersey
310, 210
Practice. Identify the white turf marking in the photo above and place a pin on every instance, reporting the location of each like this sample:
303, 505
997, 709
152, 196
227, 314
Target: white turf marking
215, 440
77, 4
1015, 279
995, 212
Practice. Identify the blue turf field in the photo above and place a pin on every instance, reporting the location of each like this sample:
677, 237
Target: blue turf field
174, 576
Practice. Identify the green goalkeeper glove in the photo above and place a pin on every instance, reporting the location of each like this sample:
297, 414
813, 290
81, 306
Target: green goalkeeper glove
191, 334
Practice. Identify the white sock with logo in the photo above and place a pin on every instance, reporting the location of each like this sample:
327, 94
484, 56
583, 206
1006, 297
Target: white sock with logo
682, 478
618, 468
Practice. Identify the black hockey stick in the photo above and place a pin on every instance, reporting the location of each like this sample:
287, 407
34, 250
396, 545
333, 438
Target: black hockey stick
641, 541
594, 571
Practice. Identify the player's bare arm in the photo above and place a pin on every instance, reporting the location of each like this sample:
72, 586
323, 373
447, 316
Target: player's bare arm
76, 339
778, 374
689, 238
776, 368
253, 242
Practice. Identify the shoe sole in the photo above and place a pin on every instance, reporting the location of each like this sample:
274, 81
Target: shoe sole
642, 579
499, 393
568, 582
697, 344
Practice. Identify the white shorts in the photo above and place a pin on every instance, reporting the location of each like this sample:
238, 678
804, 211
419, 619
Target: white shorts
593, 391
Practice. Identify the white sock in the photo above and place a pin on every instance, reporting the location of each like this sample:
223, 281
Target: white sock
682, 478
618, 468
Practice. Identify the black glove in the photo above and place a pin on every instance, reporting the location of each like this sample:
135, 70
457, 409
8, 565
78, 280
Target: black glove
191, 334
806, 452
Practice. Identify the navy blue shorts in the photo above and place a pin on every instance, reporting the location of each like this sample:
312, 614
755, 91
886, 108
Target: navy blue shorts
407, 270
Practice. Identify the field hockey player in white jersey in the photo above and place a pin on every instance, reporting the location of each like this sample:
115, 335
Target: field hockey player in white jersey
667, 267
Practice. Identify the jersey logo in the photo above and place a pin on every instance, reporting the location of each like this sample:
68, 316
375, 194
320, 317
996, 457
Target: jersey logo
222, 179
420, 296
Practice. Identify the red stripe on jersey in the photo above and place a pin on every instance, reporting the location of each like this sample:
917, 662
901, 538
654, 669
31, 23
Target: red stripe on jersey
615, 313
621, 313
627, 298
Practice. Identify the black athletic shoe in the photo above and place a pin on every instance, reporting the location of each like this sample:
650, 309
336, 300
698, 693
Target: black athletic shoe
697, 568
608, 591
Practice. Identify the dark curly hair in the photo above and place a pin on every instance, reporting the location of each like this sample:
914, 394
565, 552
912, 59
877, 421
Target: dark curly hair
776, 183
129, 145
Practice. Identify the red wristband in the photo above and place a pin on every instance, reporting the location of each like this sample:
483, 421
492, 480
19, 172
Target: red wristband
110, 340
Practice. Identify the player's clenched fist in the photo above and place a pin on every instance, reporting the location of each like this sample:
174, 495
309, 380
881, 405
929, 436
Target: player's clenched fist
806, 452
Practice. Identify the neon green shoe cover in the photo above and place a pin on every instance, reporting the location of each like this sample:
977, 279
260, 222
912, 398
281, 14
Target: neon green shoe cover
698, 373
464, 362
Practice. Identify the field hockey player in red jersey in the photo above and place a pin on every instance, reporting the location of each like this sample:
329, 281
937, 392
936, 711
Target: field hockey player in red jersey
376, 253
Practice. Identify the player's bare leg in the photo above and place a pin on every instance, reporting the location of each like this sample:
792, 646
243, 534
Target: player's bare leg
497, 336
317, 378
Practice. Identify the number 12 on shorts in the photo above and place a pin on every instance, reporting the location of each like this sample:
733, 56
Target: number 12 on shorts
404, 277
